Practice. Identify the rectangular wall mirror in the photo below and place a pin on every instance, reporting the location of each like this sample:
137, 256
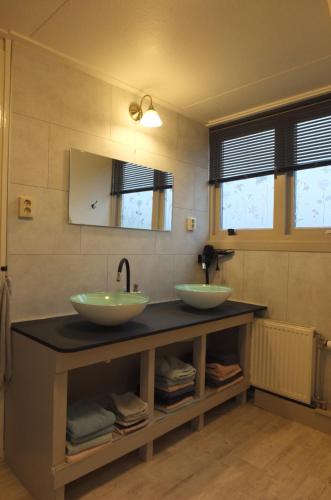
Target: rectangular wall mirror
114, 193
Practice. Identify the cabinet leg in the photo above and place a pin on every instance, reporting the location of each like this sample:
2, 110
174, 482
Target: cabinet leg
242, 398
198, 423
147, 374
50, 494
59, 494
146, 452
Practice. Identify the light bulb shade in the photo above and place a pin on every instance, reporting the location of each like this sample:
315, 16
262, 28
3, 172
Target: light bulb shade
151, 118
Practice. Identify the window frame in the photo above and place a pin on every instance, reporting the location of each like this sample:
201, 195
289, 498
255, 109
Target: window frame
284, 235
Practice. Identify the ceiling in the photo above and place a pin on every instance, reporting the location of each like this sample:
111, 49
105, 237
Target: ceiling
211, 59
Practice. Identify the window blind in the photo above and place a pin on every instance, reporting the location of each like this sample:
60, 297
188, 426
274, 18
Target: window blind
243, 157
132, 178
313, 143
285, 140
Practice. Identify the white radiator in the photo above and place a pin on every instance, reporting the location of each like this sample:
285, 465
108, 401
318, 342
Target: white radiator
282, 359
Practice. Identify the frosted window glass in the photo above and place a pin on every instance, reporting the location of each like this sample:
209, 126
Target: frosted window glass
248, 203
313, 197
137, 210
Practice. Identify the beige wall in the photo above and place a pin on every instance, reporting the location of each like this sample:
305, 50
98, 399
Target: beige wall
56, 107
294, 285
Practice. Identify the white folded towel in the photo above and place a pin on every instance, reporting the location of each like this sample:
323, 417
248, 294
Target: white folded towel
129, 406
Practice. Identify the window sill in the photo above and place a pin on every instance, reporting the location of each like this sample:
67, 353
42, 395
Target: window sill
280, 245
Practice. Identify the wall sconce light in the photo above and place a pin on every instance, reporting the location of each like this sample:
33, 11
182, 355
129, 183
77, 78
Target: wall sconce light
148, 118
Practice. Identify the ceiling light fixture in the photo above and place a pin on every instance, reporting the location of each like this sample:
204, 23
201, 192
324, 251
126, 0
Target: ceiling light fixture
148, 118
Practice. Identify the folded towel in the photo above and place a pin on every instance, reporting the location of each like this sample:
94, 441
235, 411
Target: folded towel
217, 376
166, 382
224, 359
229, 384
128, 405
87, 417
173, 388
173, 368
84, 454
127, 430
88, 437
73, 449
175, 406
129, 423
221, 370
220, 383
168, 399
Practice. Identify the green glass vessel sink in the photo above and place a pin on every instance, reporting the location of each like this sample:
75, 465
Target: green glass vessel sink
109, 308
203, 296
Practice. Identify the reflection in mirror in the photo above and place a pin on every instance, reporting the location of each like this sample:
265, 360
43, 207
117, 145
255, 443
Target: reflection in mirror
109, 192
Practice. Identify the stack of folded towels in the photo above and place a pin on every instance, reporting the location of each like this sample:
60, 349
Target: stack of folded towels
174, 383
89, 426
223, 370
131, 412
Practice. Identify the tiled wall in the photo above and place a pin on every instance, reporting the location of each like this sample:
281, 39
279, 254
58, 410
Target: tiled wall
56, 107
294, 285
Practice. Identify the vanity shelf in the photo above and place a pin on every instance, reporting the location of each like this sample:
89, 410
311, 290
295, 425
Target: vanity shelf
46, 351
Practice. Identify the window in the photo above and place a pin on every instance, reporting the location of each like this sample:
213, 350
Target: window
246, 194
313, 197
313, 185
248, 203
270, 179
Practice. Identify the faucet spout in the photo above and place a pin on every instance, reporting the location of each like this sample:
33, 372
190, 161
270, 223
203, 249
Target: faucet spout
119, 271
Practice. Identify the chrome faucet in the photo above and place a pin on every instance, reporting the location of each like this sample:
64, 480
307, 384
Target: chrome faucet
119, 271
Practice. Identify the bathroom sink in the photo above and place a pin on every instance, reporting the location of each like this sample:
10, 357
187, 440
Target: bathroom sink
203, 296
109, 308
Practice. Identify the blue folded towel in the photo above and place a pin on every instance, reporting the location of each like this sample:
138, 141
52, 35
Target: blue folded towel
89, 437
85, 418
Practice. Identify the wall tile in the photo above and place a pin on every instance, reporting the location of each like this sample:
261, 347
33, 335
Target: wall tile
187, 269
104, 240
265, 281
192, 142
163, 278
46, 88
201, 200
63, 139
160, 140
232, 274
183, 196
123, 128
309, 290
48, 232
64, 108
42, 284
29, 151
179, 240
154, 274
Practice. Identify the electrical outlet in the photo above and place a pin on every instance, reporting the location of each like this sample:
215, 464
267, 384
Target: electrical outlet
25, 207
191, 223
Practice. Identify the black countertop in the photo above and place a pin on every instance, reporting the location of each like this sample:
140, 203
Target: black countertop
74, 333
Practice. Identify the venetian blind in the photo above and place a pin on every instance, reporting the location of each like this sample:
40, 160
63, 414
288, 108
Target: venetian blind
285, 140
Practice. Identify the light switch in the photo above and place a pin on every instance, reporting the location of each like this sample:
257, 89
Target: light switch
191, 223
25, 207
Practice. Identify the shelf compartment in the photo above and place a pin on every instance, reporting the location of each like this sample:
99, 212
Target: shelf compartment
161, 424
